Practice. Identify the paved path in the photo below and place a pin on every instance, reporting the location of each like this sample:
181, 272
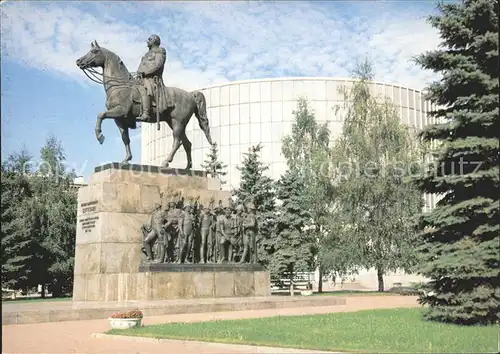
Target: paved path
40, 312
77, 336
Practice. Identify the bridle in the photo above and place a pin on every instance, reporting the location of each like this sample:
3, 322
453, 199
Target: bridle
98, 78
94, 75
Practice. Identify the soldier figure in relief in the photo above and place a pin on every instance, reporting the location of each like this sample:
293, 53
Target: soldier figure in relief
185, 234
249, 226
207, 244
150, 73
152, 232
216, 212
193, 241
236, 224
217, 230
230, 230
171, 229
224, 234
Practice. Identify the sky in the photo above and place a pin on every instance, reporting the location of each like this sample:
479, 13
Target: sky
213, 42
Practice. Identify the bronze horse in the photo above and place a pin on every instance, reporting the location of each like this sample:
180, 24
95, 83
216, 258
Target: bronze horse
123, 103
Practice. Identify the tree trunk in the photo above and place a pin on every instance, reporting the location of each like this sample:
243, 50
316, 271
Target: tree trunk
42, 294
320, 280
291, 283
56, 289
380, 277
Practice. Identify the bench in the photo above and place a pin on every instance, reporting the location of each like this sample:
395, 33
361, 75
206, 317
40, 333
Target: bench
301, 281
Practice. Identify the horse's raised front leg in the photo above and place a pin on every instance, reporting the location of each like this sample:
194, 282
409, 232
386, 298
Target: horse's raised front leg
126, 141
177, 133
115, 112
98, 127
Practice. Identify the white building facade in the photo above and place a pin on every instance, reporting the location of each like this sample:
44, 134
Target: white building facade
246, 113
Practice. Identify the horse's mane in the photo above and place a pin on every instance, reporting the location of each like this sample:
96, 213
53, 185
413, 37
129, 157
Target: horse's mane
116, 58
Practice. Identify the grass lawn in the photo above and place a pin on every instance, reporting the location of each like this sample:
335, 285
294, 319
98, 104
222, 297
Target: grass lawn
37, 299
389, 330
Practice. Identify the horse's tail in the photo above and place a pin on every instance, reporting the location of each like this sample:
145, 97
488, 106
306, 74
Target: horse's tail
201, 114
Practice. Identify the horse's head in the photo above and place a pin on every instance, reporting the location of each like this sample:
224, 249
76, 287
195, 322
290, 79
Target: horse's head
93, 59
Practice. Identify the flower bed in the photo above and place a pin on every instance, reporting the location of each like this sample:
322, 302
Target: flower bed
126, 319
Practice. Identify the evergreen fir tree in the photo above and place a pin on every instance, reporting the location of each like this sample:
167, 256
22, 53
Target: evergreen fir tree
213, 166
460, 246
258, 189
293, 247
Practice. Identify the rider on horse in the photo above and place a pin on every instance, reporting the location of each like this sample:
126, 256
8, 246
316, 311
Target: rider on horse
151, 71
174, 106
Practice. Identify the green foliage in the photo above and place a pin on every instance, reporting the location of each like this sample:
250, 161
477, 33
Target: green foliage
60, 233
258, 189
307, 153
375, 331
212, 166
52, 158
376, 204
38, 221
460, 237
336, 255
16, 242
293, 247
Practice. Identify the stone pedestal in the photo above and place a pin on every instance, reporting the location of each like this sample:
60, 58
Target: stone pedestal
111, 210
184, 281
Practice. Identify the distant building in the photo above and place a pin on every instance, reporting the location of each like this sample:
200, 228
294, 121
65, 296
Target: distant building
245, 113
78, 182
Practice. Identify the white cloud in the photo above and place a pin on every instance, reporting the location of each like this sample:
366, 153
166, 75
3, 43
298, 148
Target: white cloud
213, 42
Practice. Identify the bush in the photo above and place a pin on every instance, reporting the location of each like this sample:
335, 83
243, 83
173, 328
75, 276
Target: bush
405, 290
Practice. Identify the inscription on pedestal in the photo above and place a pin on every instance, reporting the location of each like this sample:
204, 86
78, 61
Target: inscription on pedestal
88, 223
89, 207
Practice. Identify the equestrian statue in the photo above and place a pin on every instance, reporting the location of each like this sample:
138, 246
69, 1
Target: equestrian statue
144, 98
